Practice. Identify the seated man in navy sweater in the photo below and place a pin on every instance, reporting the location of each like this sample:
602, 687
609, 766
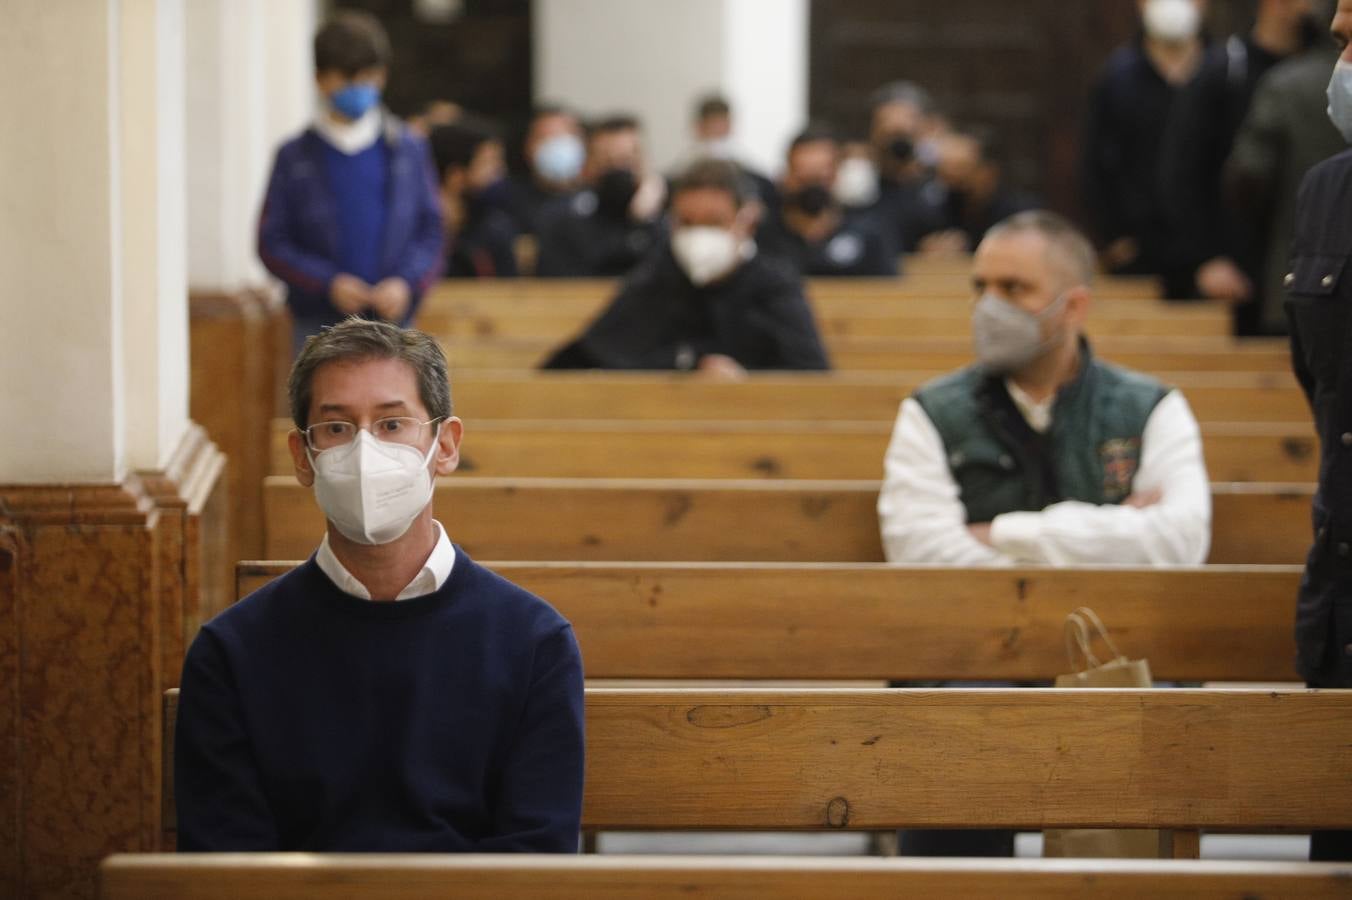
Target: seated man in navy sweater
390, 694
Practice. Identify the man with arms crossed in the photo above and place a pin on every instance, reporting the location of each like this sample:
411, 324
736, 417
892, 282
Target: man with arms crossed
1042, 453
390, 694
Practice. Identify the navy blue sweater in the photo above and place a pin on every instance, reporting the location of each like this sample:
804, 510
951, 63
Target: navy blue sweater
360, 185
313, 720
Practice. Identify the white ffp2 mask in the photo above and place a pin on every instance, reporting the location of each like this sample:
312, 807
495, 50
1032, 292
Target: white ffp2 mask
372, 490
1340, 99
1172, 20
706, 253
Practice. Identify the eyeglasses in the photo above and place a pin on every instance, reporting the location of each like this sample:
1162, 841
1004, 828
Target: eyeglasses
404, 430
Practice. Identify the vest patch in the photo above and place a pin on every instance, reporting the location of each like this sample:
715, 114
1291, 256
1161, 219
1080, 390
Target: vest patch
1120, 458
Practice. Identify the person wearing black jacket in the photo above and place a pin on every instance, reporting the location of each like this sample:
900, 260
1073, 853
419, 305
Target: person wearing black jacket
1225, 246
1128, 111
471, 174
607, 228
1319, 306
704, 300
810, 230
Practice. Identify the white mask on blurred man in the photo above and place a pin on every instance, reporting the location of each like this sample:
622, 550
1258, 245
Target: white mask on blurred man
705, 253
856, 182
1172, 21
1340, 99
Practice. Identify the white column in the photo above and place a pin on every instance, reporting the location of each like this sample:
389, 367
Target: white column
154, 267
655, 57
250, 86
61, 347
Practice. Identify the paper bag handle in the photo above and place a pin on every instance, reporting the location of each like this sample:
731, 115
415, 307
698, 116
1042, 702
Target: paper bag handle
1078, 637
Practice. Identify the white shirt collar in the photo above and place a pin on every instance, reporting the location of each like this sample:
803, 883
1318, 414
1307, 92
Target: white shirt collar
1038, 415
430, 578
350, 138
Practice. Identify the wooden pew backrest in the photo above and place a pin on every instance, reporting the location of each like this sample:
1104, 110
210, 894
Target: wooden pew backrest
1032, 758
823, 622
424, 877
730, 521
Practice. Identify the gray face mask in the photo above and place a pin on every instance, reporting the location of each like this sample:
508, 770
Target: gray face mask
1005, 337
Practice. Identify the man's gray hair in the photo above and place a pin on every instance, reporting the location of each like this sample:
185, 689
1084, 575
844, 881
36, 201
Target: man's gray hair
354, 340
1065, 243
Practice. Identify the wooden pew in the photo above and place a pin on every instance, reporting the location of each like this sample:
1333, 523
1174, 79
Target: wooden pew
856, 396
872, 760
518, 877
734, 521
823, 622
1274, 452
938, 354
944, 319
828, 300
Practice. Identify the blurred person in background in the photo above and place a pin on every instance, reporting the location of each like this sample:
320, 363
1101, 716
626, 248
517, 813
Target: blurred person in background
554, 153
810, 229
704, 300
1286, 132
606, 228
472, 174
904, 132
1128, 112
976, 193
1225, 242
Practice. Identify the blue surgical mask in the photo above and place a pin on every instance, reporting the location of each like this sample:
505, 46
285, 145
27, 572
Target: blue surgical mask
355, 100
560, 158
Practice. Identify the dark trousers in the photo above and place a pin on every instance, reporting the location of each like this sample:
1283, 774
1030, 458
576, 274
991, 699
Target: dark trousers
956, 842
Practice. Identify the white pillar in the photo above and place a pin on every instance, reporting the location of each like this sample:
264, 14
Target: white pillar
655, 57
94, 347
154, 267
61, 349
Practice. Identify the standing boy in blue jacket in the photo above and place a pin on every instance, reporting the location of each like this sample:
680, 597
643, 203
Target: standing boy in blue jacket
350, 221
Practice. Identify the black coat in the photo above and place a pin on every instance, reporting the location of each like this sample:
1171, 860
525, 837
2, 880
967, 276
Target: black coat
758, 315
1319, 306
857, 247
578, 240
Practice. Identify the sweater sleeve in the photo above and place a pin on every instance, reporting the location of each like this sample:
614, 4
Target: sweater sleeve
425, 255
217, 787
283, 255
539, 800
788, 319
1174, 531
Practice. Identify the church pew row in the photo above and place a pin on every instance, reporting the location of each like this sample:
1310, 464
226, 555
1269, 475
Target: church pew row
856, 396
587, 300
824, 622
825, 450
946, 319
950, 281
871, 760
729, 521
538, 877
1207, 354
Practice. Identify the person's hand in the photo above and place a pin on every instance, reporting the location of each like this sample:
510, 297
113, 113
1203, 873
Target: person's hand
649, 198
1121, 252
349, 294
981, 532
391, 298
718, 367
1221, 279
1142, 499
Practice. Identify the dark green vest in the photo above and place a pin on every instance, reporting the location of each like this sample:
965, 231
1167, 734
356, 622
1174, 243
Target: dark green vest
1092, 449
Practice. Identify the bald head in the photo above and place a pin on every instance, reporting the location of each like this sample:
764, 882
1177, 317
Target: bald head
1068, 253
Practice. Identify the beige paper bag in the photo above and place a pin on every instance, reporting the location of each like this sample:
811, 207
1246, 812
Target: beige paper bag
1091, 672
